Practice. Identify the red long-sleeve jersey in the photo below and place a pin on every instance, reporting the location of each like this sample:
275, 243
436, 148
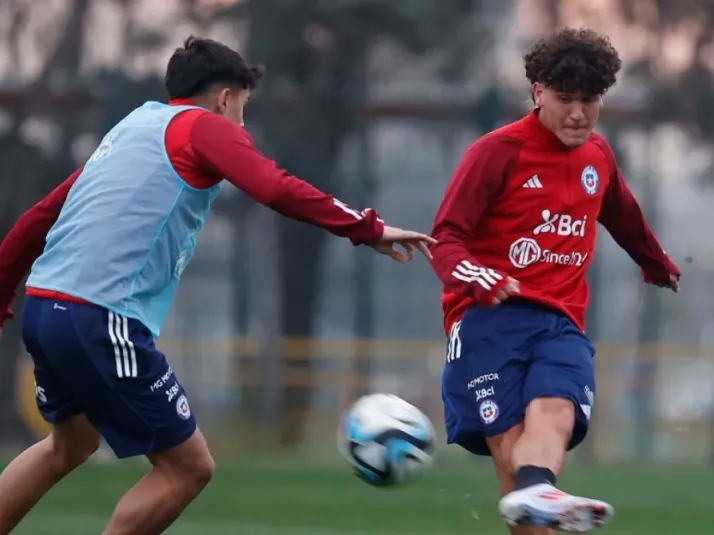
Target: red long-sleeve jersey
204, 149
523, 205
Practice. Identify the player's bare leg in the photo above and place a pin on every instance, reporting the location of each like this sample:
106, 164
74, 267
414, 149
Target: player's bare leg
36, 470
156, 501
501, 447
538, 455
548, 427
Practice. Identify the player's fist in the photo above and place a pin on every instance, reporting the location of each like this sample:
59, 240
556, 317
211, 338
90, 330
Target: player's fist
503, 292
668, 278
674, 282
408, 240
491, 288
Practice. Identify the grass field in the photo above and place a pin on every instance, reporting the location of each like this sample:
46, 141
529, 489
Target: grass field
262, 498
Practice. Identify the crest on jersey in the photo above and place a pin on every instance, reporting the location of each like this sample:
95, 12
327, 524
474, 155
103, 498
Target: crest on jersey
590, 180
488, 411
182, 408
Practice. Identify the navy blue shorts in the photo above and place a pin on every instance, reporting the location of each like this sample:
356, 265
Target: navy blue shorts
500, 359
90, 360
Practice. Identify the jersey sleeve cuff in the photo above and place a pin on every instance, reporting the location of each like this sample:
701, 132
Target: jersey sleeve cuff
370, 229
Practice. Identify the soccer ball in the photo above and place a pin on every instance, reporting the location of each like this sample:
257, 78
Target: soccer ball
386, 440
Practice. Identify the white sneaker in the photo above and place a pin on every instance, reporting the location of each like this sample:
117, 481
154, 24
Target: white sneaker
544, 505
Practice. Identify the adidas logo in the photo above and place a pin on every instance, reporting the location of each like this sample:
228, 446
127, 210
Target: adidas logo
533, 182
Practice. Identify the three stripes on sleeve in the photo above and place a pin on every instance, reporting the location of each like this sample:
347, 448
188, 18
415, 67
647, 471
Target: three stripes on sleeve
467, 272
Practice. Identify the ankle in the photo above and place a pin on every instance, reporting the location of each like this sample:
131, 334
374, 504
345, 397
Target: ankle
529, 475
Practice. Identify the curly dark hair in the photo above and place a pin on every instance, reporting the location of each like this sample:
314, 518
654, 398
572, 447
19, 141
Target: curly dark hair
574, 60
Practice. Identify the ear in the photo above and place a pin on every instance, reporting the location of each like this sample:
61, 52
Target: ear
537, 94
223, 96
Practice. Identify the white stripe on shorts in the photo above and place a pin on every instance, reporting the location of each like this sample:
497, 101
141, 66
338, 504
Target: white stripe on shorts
124, 350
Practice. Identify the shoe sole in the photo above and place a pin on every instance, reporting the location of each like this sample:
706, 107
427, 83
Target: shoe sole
579, 518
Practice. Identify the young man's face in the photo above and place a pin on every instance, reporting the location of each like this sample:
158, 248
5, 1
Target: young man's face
570, 116
231, 103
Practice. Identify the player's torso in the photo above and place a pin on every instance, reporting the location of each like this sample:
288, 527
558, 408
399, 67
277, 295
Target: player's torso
542, 228
545, 219
128, 227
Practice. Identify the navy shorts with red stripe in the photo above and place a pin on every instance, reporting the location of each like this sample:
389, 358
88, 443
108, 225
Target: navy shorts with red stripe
93, 361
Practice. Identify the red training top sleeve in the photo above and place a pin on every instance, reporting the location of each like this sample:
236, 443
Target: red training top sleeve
228, 150
622, 216
475, 186
26, 241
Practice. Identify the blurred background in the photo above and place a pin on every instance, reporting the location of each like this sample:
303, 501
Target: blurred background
279, 326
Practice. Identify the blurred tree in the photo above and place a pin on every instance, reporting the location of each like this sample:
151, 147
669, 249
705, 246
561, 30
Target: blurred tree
315, 55
680, 85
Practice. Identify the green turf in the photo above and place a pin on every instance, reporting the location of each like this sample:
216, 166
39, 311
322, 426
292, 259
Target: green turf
289, 499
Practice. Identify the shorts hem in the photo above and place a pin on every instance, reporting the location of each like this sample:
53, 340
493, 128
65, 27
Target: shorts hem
59, 417
475, 441
177, 440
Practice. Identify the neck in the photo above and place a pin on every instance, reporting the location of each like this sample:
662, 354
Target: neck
203, 102
542, 120
546, 134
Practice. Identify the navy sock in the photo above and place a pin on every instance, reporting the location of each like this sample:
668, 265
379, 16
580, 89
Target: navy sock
527, 476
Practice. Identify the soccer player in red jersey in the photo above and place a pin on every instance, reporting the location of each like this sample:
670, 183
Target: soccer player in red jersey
107, 249
516, 232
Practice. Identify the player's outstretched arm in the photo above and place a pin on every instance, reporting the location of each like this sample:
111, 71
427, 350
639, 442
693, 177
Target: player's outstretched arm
476, 184
623, 218
26, 241
226, 149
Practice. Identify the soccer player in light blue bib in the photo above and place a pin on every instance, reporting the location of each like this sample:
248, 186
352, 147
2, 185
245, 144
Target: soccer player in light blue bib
107, 249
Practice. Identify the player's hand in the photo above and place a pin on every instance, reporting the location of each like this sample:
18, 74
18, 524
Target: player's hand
500, 294
409, 240
674, 283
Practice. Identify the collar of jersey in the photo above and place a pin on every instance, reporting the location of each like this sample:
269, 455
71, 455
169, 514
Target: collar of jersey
544, 135
182, 102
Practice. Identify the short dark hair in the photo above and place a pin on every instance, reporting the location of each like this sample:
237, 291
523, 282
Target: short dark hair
202, 63
574, 60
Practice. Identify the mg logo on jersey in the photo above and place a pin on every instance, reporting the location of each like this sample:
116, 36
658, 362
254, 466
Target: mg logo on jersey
524, 252
561, 224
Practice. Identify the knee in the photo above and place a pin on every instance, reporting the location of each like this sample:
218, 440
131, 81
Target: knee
202, 471
554, 414
192, 474
188, 466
